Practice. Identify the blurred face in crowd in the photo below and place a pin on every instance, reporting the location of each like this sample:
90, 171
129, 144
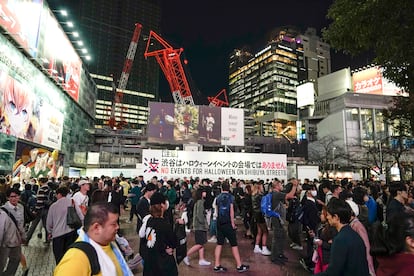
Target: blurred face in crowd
332, 219
277, 185
14, 199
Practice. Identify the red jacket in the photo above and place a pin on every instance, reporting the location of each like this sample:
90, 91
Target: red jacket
401, 264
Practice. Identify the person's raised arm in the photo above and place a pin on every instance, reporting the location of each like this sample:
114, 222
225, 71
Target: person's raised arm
292, 192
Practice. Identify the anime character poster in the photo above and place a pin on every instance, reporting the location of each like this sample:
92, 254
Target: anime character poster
209, 125
160, 122
26, 116
18, 112
186, 123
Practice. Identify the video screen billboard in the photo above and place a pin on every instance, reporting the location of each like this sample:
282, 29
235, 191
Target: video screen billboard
33, 26
175, 123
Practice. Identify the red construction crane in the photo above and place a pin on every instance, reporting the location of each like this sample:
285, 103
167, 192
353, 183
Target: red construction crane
215, 101
123, 80
169, 60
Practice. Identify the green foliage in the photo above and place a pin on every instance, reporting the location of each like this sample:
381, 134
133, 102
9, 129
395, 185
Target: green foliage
385, 27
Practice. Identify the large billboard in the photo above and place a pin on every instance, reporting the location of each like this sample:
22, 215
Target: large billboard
31, 107
33, 26
213, 165
24, 115
176, 123
305, 94
372, 81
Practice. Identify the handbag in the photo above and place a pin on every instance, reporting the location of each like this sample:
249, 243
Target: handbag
72, 217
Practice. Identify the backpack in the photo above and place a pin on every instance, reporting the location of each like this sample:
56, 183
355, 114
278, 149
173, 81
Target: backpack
223, 207
266, 206
294, 211
90, 252
51, 198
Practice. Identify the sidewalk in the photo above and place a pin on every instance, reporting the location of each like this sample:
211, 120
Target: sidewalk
42, 263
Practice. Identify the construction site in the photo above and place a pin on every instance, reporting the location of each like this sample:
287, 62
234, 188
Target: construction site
120, 146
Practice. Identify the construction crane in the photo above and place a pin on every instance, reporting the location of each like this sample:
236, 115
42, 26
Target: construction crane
123, 80
216, 101
169, 60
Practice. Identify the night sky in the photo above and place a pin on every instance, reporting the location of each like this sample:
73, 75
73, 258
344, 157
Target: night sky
209, 31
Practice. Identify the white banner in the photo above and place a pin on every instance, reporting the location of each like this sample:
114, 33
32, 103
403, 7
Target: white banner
213, 165
232, 127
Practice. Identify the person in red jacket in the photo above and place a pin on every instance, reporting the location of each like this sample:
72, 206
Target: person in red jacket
393, 245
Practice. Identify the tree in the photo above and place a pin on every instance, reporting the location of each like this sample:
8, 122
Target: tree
326, 154
386, 28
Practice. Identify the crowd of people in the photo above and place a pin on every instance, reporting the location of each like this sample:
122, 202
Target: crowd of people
339, 227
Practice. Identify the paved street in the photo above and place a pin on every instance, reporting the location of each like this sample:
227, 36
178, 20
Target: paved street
41, 261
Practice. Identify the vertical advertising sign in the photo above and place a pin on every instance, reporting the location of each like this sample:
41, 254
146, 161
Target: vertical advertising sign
232, 127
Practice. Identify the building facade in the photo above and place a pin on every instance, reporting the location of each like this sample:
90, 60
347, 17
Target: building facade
47, 97
264, 84
106, 30
349, 112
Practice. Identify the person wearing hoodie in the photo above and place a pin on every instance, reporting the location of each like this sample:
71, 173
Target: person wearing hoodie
393, 245
358, 227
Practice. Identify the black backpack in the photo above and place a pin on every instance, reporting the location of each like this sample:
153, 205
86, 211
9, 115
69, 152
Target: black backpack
90, 252
223, 208
51, 197
294, 211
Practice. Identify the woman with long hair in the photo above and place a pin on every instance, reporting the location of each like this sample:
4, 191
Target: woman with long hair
323, 241
200, 227
393, 245
262, 232
160, 240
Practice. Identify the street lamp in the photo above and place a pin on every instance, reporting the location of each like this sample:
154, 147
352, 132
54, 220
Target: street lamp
333, 158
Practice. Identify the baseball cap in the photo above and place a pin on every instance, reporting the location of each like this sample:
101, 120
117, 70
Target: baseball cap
354, 207
83, 182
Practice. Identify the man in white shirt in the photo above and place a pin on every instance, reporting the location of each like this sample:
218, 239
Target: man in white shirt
81, 198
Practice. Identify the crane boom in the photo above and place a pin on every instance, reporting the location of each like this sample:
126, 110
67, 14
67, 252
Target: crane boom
169, 60
123, 80
216, 101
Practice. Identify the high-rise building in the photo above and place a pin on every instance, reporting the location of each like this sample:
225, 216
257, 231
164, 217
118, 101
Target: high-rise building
317, 56
106, 30
265, 83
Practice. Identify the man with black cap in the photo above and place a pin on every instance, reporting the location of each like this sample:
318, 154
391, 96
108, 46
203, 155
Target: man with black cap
143, 205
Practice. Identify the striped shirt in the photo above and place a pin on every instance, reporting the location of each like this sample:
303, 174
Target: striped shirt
42, 197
